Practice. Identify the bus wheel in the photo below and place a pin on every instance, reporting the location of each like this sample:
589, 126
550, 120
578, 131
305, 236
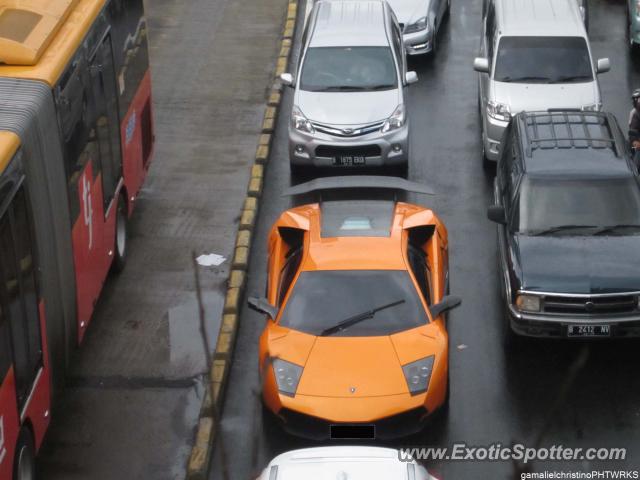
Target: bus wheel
25, 461
122, 236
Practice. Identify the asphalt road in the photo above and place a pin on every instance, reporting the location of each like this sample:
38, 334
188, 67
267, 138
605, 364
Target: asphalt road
498, 394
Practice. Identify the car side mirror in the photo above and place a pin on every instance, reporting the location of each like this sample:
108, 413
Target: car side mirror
496, 213
286, 79
410, 78
262, 305
604, 65
448, 302
481, 65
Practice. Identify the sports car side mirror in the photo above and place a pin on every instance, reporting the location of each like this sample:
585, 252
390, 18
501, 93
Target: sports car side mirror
496, 213
262, 305
448, 302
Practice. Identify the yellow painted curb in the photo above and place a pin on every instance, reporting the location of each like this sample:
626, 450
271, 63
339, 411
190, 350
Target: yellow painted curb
274, 99
255, 187
262, 154
199, 459
247, 219
237, 279
241, 258
243, 239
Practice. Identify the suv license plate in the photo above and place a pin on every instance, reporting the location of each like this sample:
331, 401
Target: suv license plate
349, 161
589, 331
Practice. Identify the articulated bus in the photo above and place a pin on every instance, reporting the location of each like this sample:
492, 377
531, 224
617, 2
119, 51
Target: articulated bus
76, 140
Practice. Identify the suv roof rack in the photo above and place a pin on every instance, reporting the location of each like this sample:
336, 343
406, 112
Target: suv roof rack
555, 129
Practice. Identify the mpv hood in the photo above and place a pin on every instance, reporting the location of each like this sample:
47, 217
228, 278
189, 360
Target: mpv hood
586, 265
348, 108
408, 11
539, 96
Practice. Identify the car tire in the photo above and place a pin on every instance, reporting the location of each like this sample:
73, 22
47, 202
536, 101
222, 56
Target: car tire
24, 465
120, 247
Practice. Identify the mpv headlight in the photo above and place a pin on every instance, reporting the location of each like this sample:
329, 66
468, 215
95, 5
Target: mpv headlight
395, 121
593, 107
528, 303
300, 122
287, 376
499, 111
418, 374
417, 26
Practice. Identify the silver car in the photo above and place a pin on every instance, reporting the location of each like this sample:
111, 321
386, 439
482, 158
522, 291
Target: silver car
349, 102
533, 57
420, 21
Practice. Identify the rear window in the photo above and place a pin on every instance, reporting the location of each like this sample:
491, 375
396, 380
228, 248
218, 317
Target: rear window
348, 68
543, 60
321, 299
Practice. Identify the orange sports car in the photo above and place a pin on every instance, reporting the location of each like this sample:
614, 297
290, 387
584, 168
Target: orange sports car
356, 344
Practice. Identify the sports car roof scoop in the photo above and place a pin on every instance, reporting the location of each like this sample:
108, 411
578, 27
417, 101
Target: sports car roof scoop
358, 182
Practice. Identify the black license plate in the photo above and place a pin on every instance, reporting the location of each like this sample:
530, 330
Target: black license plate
589, 331
349, 160
353, 432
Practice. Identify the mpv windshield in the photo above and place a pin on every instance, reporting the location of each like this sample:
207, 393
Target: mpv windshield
583, 206
321, 299
348, 68
543, 60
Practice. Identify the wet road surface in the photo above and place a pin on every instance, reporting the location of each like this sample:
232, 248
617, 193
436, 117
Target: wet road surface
498, 394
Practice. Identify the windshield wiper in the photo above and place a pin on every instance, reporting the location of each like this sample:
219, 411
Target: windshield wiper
558, 228
383, 86
570, 78
524, 79
342, 88
612, 228
348, 322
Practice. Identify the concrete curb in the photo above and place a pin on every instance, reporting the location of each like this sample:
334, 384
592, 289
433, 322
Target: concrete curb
201, 453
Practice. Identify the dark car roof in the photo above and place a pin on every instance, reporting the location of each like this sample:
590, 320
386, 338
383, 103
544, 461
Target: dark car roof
572, 143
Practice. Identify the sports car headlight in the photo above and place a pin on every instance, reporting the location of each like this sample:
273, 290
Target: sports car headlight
395, 121
592, 107
300, 122
499, 111
417, 26
418, 374
528, 303
287, 376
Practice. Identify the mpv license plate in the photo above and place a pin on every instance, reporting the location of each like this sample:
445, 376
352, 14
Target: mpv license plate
349, 161
589, 331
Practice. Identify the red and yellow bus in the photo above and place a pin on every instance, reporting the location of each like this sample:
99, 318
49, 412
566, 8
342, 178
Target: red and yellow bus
76, 140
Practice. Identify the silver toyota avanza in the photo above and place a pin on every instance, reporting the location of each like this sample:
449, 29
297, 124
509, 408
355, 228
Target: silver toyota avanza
349, 102
534, 55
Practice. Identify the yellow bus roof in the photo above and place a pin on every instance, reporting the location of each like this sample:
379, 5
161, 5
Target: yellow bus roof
39, 37
9, 144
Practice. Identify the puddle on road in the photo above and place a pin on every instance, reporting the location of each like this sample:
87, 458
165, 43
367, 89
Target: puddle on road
185, 338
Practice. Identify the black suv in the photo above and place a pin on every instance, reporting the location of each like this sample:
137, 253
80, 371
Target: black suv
567, 204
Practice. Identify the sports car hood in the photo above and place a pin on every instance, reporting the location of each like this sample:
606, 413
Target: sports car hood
348, 108
579, 264
538, 96
408, 11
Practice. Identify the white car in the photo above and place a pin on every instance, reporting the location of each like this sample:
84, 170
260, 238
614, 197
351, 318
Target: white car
343, 463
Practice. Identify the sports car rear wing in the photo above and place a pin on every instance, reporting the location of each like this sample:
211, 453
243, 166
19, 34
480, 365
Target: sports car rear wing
358, 182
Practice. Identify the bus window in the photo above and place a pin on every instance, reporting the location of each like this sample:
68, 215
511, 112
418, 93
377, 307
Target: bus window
105, 96
18, 292
24, 253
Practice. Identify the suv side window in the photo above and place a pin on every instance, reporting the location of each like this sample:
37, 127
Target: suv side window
288, 273
418, 264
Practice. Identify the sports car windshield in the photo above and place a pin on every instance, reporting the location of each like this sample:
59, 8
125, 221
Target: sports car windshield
337, 69
543, 60
576, 206
321, 299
